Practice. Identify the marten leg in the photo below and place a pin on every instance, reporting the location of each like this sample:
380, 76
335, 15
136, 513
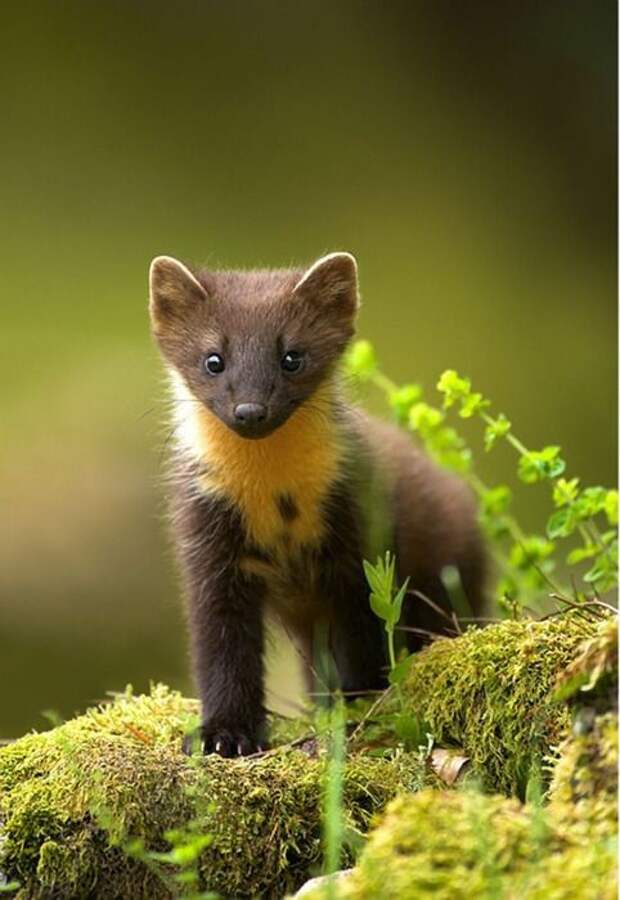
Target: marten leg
225, 609
356, 634
227, 641
357, 640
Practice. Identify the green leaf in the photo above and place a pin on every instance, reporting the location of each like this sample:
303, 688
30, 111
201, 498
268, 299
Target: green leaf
397, 603
360, 361
495, 526
373, 576
591, 502
570, 686
580, 553
604, 573
508, 600
402, 399
400, 670
565, 491
562, 523
497, 428
455, 460
496, 500
472, 404
189, 876
425, 418
532, 551
380, 578
448, 448
184, 854
611, 507
409, 729
453, 387
536, 465
380, 606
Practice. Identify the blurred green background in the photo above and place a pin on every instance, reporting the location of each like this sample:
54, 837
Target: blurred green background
465, 152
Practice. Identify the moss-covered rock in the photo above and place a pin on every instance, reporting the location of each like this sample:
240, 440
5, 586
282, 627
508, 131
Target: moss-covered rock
83, 808
591, 678
74, 800
459, 845
584, 786
489, 693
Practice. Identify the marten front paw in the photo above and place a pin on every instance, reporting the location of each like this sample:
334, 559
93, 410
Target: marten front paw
227, 743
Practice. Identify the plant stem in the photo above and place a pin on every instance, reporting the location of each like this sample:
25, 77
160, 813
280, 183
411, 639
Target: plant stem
332, 809
384, 383
516, 443
392, 655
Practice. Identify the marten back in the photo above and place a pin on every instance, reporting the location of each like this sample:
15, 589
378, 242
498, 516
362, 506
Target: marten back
435, 527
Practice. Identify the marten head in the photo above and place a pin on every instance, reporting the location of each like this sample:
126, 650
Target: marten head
254, 346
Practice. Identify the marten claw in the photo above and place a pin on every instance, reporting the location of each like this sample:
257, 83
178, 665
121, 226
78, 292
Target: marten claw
224, 743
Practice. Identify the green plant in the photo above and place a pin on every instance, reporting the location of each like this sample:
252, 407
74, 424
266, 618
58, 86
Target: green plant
178, 867
386, 601
333, 807
526, 561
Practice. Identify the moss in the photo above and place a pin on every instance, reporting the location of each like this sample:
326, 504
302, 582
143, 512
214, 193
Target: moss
592, 677
459, 845
584, 787
489, 692
73, 799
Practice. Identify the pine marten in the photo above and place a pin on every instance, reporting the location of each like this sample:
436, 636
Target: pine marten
281, 488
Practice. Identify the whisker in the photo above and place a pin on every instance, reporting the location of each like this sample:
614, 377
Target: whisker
146, 413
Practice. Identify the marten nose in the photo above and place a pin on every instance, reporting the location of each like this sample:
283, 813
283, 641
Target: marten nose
250, 413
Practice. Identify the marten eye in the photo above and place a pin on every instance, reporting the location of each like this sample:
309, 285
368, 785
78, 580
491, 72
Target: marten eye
292, 361
214, 364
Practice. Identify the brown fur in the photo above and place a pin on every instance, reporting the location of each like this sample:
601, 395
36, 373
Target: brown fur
280, 513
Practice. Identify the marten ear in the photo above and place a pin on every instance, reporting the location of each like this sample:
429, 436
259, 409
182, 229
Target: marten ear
173, 292
332, 281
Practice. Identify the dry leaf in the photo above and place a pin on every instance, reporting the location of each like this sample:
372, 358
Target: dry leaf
449, 765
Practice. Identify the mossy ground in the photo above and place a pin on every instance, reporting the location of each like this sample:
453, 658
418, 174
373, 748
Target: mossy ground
77, 801
462, 845
455, 845
490, 695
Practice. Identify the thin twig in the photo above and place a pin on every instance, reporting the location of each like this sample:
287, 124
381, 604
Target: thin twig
479, 619
459, 630
434, 635
432, 604
370, 712
361, 693
597, 602
582, 606
303, 656
263, 754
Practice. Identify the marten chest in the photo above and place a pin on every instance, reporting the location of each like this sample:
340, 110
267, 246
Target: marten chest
279, 485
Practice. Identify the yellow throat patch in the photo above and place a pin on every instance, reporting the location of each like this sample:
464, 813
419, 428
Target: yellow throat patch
277, 483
